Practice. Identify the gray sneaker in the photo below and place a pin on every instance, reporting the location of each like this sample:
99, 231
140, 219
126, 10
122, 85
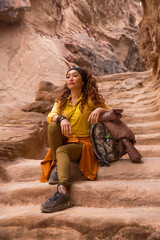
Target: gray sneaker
57, 202
54, 178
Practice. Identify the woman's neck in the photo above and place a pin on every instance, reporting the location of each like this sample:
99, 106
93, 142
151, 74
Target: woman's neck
75, 94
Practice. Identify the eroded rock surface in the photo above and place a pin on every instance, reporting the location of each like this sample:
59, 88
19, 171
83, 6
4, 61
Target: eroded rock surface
11, 11
22, 134
45, 97
101, 36
150, 35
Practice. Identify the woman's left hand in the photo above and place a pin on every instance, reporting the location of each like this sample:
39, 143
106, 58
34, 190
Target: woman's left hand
94, 116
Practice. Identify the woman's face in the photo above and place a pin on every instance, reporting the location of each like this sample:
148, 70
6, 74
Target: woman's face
74, 80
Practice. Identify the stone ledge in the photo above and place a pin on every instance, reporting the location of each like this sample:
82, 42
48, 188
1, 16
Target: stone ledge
134, 223
100, 194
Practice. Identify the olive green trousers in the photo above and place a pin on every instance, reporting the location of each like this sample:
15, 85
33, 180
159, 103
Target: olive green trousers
62, 152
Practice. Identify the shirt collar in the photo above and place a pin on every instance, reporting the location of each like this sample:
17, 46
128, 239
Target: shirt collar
69, 98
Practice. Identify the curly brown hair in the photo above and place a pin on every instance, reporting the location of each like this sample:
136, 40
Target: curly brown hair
90, 88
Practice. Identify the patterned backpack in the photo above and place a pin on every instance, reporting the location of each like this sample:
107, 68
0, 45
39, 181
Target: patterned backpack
104, 145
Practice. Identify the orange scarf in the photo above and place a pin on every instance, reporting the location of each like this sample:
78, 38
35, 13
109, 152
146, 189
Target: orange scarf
88, 163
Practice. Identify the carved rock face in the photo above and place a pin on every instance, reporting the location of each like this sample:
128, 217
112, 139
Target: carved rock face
11, 11
150, 35
44, 98
100, 36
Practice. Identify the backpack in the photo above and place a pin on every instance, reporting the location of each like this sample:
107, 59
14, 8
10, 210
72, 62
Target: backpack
105, 147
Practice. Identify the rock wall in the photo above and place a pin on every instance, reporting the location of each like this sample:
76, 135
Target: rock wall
39, 40
150, 43
150, 35
11, 11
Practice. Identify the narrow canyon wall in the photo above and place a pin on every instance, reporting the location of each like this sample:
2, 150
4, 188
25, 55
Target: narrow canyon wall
39, 40
150, 43
150, 35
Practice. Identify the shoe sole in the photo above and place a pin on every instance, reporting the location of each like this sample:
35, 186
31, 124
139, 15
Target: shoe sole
56, 182
53, 182
58, 208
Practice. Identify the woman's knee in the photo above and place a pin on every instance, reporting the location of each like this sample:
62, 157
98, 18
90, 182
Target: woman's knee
52, 127
61, 150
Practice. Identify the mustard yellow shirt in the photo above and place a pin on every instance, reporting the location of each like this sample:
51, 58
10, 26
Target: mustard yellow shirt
78, 121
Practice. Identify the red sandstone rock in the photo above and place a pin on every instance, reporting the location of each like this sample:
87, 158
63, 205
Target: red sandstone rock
11, 11
101, 36
38, 106
22, 134
47, 92
45, 97
150, 35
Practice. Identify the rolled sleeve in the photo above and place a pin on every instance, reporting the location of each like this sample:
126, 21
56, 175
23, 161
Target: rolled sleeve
55, 111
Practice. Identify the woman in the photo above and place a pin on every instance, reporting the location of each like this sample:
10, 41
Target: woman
78, 106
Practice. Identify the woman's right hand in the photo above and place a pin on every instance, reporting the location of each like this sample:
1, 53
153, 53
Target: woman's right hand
65, 127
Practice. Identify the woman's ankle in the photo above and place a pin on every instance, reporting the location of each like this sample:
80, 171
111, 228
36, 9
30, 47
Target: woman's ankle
62, 189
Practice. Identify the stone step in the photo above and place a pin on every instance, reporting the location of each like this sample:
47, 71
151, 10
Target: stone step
149, 150
27, 222
148, 139
103, 194
145, 127
134, 105
130, 98
134, 102
135, 108
125, 170
28, 170
145, 108
131, 118
117, 193
144, 151
23, 170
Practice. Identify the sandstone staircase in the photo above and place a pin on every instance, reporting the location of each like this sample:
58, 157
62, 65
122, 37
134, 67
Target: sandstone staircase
122, 204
